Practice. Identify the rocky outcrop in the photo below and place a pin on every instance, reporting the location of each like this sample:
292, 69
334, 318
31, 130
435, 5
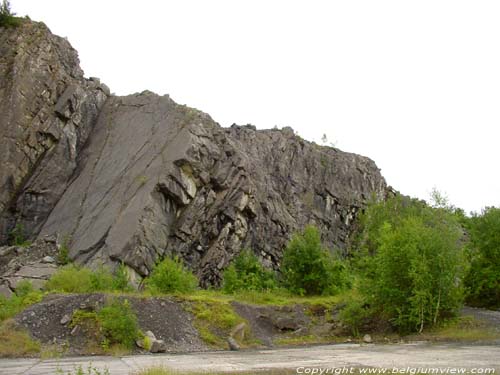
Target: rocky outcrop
48, 110
133, 179
34, 263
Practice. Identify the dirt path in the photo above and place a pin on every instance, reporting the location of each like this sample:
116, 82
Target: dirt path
328, 356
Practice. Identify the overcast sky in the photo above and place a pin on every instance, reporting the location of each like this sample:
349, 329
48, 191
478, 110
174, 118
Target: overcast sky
414, 85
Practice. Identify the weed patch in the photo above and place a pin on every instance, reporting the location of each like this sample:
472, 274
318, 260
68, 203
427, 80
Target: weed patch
15, 342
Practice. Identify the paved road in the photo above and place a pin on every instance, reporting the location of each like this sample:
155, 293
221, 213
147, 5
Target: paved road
326, 356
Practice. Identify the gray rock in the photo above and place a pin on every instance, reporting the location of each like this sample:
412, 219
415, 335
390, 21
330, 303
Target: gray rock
5, 291
156, 178
367, 339
48, 259
75, 331
287, 323
158, 346
154, 345
47, 111
66, 319
233, 344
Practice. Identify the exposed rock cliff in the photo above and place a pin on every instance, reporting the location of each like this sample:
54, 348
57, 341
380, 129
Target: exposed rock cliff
135, 178
47, 111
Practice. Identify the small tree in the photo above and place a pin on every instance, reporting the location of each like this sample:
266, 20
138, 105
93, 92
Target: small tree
483, 280
7, 18
246, 273
417, 270
309, 269
171, 276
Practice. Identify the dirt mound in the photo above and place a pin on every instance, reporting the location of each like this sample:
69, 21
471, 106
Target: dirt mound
50, 322
182, 324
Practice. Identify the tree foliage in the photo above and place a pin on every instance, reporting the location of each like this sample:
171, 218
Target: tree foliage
7, 18
309, 269
483, 280
414, 274
247, 273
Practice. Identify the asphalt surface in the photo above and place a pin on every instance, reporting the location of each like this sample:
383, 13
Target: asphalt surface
403, 357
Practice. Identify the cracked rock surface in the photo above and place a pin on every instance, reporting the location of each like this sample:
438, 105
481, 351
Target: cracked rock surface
133, 179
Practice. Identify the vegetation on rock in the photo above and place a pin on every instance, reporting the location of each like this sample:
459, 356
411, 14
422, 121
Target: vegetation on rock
7, 18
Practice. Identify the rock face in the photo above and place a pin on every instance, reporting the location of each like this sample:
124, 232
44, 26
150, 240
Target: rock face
47, 111
133, 179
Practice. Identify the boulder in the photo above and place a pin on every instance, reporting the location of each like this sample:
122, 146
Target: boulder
66, 319
233, 344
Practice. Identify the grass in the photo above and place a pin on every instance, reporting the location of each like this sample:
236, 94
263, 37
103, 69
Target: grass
14, 342
25, 296
214, 320
277, 297
465, 328
166, 371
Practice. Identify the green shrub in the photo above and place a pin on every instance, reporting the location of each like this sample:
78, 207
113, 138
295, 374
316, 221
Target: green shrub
7, 18
171, 276
121, 280
118, 323
24, 297
71, 279
414, 278
354, 315
246, 273
115, 323
483, 279
309, 269
74, 279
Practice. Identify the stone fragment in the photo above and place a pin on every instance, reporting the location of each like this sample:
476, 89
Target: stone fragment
65, 319
233, 344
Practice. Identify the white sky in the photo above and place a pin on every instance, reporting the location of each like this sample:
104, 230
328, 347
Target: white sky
414, 85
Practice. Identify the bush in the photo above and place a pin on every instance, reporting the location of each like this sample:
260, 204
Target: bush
120, 279
246, 273
7, 18
354, 315
170, 276
115, 323
24, 297
309, 269
74, 279
118, 323
483, 280
414, 278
